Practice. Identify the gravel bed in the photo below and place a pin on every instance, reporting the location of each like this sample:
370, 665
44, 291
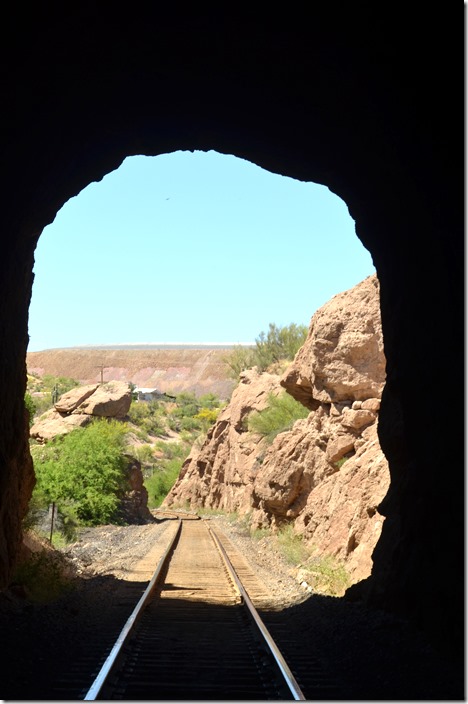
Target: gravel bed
267, 561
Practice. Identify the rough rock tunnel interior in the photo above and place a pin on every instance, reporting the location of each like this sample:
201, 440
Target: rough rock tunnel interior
347, 99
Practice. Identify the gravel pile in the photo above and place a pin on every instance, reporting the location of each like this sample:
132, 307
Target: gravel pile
363, 654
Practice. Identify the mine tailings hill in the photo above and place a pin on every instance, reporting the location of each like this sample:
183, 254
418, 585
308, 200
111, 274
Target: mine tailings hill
170, 368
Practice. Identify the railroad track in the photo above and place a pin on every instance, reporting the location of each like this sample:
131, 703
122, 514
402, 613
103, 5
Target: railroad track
195, 633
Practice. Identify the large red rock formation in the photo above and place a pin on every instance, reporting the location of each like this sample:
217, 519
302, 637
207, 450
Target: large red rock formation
343, 357
328, 474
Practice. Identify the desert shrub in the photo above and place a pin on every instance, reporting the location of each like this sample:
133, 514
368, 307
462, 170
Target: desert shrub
42, 402
138, 412
206, 417
190, 423
62, 383
148, 417
327, 575
187, 405
210, 401
173, 450
144, 454
280, 414
45, 389
291, 544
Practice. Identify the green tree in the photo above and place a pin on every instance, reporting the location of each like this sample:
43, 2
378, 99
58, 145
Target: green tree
279, 343
272, 347
239, 359
85, 469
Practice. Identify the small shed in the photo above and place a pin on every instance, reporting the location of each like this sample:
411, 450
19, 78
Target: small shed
147, 394
142, 394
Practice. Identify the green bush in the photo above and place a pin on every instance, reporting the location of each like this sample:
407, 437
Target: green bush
280, 415
187, 405
210, 401
84, 470
173, 450
63, 383
144, 454
162, 481
190, 423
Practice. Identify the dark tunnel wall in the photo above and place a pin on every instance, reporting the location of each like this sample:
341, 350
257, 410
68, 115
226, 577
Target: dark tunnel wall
355, 97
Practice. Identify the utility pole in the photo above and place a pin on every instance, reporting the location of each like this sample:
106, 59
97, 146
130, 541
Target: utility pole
101, 367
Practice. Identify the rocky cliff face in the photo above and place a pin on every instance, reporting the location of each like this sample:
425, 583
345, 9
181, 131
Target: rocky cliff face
328, 474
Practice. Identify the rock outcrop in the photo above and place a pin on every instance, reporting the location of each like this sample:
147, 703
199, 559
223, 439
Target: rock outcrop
328, 474
133, 507
75, 409
220, 473
342, 358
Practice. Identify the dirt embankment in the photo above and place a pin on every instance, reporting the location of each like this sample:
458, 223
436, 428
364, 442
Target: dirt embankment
172, 369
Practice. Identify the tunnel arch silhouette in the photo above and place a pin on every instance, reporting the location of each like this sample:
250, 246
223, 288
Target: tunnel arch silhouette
341, 100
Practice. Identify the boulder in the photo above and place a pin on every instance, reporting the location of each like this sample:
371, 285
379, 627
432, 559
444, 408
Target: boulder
52, 423
342, 358
357, 419
76, 408
69, 401
110, 400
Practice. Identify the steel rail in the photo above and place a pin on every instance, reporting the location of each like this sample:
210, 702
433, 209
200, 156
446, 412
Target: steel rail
283, 666
100, 679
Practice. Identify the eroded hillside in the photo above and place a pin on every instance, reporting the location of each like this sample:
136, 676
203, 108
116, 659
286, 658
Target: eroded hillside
198, 370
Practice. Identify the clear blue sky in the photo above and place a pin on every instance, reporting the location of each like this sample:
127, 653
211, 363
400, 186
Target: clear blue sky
190, 247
